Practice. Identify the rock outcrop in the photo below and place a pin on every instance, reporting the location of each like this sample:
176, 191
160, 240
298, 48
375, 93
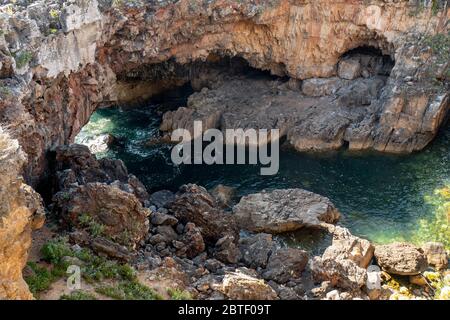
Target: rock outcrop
401, 259
286, 210
194, 204
21, 211
57, 69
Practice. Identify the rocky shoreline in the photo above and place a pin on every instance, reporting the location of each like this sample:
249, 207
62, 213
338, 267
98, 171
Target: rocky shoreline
228, 254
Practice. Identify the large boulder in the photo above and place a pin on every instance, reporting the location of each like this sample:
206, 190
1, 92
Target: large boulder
242, 286
285, 264
401, 258
76, 165
104, 210
194, 204
287, 210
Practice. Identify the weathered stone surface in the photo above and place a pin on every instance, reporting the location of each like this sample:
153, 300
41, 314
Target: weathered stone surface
226, 250
349, 68
256, 249
401, 259
120, 214
21, 211
76, 165
193, 242
112, 58
344, 273
285, 264
436, 255
319, 87
347, 246
285, 210
241, 286
194, 204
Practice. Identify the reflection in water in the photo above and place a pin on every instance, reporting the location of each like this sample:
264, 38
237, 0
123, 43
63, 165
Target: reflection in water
381, 197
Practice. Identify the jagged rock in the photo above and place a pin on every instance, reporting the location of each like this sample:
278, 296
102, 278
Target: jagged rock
401, 258
105, 208
226, 250
285, 210
256, 249
99, 144
223, 195
347, 246
285, 264
192, 240
349, 68
162, 198
436, 255
194, 204
18, 205
344, 274
158, 219
240, 286
167, 234
76, 165
283, 292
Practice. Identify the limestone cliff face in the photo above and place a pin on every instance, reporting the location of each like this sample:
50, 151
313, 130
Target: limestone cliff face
61, 60
21, 211
95, 52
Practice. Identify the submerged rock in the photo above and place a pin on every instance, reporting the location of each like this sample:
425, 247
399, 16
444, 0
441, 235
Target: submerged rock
287, 210
401, 258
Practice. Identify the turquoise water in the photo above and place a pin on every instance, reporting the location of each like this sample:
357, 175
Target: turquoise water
381, 197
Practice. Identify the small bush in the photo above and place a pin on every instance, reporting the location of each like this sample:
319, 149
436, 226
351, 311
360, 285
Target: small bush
177, 294
129, 290
78, 295
22, 59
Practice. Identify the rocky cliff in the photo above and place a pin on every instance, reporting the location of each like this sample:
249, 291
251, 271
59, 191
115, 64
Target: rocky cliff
21, 211
60, 60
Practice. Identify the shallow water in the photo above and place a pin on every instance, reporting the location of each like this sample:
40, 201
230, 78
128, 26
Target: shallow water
381, 197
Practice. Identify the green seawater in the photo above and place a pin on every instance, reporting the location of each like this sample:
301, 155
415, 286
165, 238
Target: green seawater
381, 197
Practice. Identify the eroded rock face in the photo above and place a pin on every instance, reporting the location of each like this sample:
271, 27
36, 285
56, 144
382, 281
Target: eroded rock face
344, 263
194, 204
401, 259
21, 211
101, 53
286, 210
106, 211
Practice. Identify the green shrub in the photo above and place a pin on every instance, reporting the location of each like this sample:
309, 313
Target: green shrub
22, 59
437, 228
40, 280
93, 227
78, 295
129, 290
177, 294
